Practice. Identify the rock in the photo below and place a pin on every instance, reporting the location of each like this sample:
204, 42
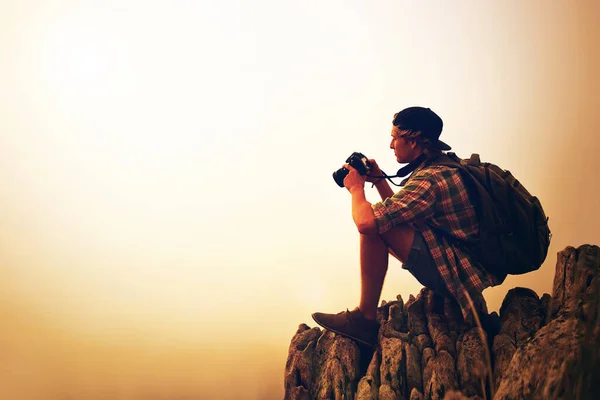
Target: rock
533, 373
416, 395
427, 355
546, 347
422, 341
473, 363
416, 316
414, 379
439, 376
299, 378
437, 324
545, 305
336, 362
521, 316
321, 365
561, 360
395, 318
368, 387
393, 365
491, 324
455, 395
575, 270
386, 393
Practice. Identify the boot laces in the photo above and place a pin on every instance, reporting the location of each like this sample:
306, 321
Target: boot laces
349, 316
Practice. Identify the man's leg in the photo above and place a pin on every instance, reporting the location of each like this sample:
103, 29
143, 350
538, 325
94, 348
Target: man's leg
360, 324
374, 257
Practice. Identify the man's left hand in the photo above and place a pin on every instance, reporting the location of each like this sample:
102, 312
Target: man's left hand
353, 180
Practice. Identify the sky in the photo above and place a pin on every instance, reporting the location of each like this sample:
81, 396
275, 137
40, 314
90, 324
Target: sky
168, 214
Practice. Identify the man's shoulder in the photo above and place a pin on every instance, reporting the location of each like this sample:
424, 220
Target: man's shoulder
435, 170
438, 176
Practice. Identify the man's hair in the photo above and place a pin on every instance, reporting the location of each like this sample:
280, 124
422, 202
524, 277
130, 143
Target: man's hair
423, 126
417, 136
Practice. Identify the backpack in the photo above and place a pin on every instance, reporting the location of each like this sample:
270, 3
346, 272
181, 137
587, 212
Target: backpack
513, 229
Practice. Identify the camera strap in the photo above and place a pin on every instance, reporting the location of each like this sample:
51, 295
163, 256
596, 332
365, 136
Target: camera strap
404, 171
410, 167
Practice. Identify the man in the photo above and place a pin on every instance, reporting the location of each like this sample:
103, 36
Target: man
424, 225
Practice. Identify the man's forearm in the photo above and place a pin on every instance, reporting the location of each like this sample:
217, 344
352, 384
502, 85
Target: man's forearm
362, 213
384, 189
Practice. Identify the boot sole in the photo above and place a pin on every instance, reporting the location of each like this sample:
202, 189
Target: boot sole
343, 334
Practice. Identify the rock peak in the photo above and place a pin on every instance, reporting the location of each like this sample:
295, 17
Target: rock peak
546, 347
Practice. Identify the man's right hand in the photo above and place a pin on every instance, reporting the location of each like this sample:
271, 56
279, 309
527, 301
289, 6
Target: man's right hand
375, 173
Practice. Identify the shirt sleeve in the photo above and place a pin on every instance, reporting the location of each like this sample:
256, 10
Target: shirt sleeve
415, 202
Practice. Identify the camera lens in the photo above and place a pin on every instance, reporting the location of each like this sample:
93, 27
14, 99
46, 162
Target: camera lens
358, 161
339, 175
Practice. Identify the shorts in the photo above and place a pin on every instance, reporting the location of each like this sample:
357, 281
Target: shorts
421, 265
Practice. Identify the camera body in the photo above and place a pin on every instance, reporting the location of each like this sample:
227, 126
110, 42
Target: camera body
356, 160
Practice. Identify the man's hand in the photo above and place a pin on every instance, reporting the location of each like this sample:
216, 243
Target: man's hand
374, 172
354, 180
362, 212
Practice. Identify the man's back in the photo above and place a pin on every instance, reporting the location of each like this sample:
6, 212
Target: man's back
435, 201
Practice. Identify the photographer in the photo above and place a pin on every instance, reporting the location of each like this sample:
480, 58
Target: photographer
421, 225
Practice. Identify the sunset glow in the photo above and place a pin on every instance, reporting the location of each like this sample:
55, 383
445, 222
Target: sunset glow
168, 212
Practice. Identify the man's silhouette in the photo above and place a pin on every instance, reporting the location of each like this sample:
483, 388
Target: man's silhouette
423, 225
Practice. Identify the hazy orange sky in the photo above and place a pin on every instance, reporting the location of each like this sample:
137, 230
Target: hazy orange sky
168, 215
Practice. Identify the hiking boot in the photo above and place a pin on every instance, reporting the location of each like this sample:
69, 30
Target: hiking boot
351, 324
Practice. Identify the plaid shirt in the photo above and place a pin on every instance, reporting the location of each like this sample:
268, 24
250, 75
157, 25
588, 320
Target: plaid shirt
435, 202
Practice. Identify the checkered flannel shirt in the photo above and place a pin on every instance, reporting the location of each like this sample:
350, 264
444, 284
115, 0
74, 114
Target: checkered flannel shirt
435, 202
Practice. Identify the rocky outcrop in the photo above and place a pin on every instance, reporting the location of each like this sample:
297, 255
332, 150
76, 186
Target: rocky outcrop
546, 347
562, 358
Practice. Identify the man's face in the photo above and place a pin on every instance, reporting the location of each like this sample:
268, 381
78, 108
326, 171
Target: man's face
405, 150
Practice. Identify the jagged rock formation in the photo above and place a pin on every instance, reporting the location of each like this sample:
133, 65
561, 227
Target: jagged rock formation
546, 347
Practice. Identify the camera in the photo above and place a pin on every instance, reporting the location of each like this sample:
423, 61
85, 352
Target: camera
358, 161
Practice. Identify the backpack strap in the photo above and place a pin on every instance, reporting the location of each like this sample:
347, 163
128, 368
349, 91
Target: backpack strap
452, 160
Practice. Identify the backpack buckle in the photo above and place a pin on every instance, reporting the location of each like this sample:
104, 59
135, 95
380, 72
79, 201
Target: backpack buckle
474, 160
